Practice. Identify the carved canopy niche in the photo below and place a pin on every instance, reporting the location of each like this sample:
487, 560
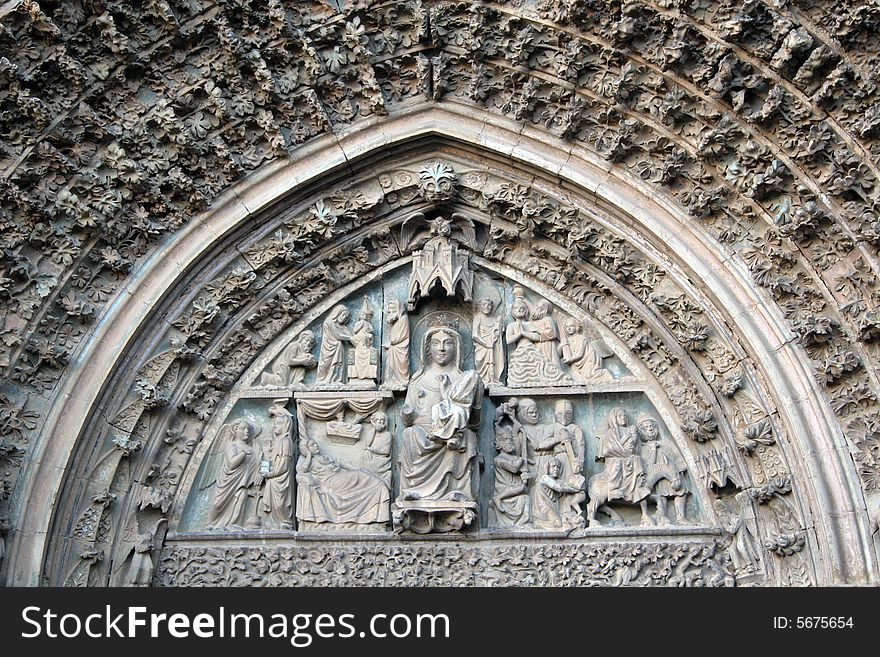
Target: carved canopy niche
435, 292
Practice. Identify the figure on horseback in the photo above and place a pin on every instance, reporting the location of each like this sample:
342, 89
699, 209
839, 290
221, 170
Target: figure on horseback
665, 470
628, 477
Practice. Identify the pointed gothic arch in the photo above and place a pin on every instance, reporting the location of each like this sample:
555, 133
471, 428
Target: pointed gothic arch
792, 420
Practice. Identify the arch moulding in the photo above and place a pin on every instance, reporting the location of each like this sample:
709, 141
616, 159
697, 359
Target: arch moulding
824, 524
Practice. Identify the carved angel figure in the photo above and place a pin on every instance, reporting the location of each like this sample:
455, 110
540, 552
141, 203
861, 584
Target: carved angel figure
332, 356
237, 477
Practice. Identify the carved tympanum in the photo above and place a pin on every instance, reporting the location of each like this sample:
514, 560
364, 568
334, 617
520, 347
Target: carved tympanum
477, 341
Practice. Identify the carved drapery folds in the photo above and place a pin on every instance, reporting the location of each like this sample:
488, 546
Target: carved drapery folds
576, 442
759, 121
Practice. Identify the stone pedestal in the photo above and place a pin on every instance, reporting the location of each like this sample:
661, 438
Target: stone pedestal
434, 516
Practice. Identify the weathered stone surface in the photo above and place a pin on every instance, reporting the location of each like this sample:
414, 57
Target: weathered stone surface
691, 187
377, 564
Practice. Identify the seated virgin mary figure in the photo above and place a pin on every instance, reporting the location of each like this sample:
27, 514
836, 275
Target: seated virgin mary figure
441, 414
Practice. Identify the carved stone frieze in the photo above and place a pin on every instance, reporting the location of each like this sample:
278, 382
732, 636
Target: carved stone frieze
407, 564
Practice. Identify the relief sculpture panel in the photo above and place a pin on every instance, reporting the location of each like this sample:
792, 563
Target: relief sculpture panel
446, 398
438, 445
343, 470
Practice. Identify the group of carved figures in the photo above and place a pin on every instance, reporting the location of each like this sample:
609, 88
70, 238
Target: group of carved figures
328, 489
247, 471
539, 479
539, 468
538, 351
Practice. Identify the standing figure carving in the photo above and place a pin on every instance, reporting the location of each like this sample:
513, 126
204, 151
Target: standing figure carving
277, 500
376, 456
331, 360
743, 549
365, 363
237, 477
528, 363
290, 368
140, 572
488, 350
396, 345
509, 506
565, 441
530, 418
438, 445
624, 477
665, 468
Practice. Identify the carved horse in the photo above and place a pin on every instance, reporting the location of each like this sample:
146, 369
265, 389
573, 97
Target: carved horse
598, 491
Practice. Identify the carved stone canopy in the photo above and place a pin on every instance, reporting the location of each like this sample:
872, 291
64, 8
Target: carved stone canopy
656, 223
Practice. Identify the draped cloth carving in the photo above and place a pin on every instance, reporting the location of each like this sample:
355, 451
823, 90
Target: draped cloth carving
327, 409
330, 492
438, 445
